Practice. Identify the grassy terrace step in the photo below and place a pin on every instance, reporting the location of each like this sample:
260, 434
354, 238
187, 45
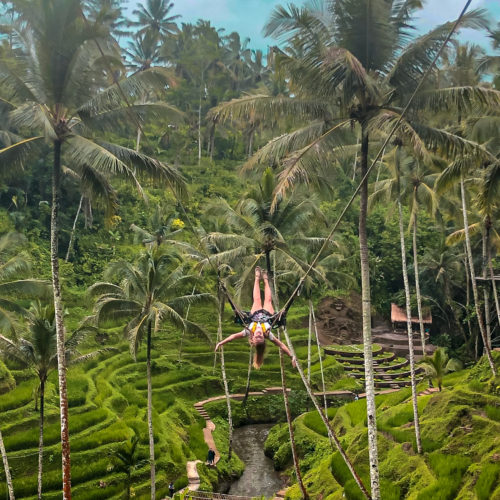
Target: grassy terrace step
349, 351
396, 374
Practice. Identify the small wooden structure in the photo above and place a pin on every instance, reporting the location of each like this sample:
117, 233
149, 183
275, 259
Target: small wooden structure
398, 320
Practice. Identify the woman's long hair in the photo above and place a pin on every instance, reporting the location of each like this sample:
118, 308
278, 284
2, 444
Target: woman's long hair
258, 357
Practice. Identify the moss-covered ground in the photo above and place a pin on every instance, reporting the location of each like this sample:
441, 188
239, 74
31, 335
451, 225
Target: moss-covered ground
460, 437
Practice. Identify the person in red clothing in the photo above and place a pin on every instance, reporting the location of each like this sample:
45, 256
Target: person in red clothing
260, 322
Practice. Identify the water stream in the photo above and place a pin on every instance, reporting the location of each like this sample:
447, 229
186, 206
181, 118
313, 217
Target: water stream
259, 477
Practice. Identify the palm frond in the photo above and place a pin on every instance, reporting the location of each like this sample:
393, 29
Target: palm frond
268, 108
385, 121
133, 87
279, 147
299, 165
418, 56
461, 99
129, 117
114, 310
459, 236
27, 288
16, 154
91, 355
454, 172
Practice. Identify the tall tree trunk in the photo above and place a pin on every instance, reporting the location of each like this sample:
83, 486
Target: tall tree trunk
73, 229
181, 344
486, 292
331, 433
323, 385
211, 142
8, 477
247, 388
467, 302
40, 439
494, 286
408, 316
290, 427
417, 285
475, 292
224, 378
60, 331
199, 130
150, 417
251, 136
309, 338
138, 139
367, 331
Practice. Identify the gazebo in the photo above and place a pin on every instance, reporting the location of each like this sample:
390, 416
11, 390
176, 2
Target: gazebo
398, 320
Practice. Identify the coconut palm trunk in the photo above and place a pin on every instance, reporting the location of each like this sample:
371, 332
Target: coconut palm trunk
150, 417
8, 477
61, 335
247, 388
73, 229
475, 292
417, 285
323, 385
290, 427
40, 439
494, 286
367, 333
224, 378
486, 291
309, 338
408, 322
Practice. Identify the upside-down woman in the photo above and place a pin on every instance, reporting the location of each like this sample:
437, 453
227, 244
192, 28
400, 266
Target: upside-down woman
261, 319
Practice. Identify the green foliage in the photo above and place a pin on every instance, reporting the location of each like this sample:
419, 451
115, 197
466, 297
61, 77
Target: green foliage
18, 397
449, 470
487, 479
7, 382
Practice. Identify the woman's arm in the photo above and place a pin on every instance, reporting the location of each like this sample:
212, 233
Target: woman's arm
284, 348
234, 336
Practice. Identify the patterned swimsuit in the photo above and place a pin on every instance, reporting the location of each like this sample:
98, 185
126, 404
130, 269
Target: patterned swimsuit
262, 318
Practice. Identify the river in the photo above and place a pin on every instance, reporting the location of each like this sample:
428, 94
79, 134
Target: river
259, 477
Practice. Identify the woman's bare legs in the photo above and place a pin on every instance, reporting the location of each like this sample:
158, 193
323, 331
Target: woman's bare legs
257, 300
268, 298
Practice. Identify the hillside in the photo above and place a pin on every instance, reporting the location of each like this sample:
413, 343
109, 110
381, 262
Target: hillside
460, 437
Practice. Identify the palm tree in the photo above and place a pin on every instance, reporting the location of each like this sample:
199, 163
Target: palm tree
6, 468
37, 351
438, 365
457, 171
348, 62
257, 230
145, 295
154, 16
442, 268
127, 459
14, 263
57, 95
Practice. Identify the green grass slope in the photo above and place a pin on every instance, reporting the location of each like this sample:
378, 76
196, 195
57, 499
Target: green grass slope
107, 399
460, 437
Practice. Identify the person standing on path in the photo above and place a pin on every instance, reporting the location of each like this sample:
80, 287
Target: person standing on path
171, 489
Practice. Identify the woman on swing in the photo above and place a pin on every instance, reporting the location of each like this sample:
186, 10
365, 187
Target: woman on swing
261, 322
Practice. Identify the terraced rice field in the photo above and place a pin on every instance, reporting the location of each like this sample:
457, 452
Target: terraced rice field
107, 399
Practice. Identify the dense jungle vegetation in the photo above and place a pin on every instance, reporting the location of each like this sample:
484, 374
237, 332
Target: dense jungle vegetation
147, 165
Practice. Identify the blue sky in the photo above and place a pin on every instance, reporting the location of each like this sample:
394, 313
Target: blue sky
249, 16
